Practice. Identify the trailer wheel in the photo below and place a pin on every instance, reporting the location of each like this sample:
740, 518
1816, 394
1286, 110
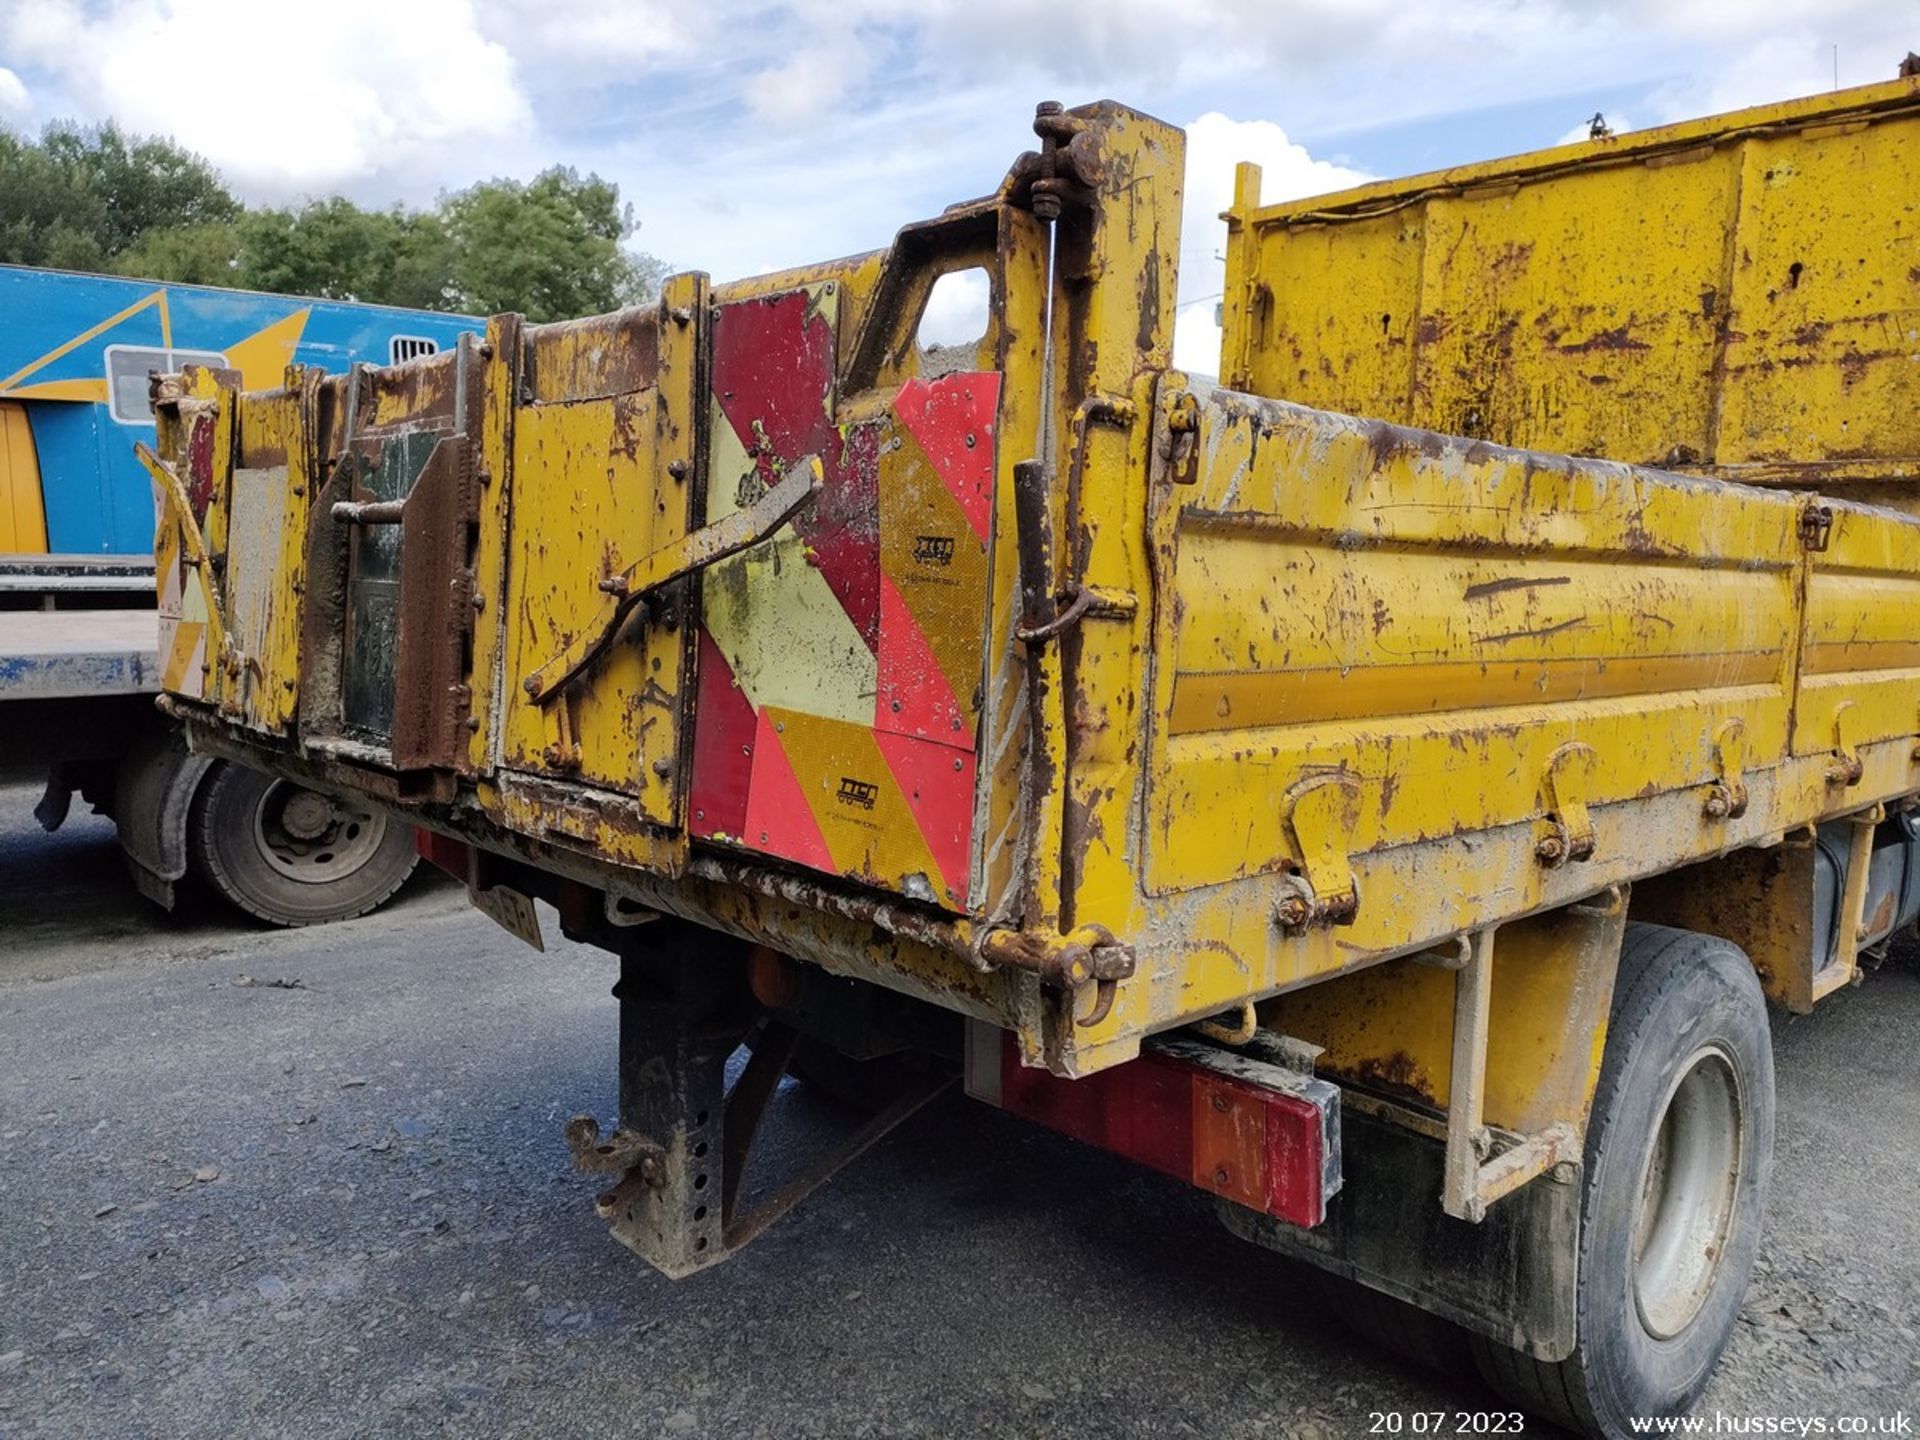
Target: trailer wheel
1679, 1148
294, 856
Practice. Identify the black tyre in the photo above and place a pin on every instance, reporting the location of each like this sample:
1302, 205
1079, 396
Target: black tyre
1679, 1149
294, 856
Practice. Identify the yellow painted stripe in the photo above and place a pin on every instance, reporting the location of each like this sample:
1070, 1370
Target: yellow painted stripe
1239, 699
23, 516
863, 816
1833, 657
92, 392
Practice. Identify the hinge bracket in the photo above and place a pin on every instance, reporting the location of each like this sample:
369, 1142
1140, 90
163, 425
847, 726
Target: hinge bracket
1565, 831
1727, 795
1320, 812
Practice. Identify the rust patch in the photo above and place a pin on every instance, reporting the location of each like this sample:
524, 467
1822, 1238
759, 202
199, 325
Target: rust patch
1517, 582
1614, 339
1398, 1074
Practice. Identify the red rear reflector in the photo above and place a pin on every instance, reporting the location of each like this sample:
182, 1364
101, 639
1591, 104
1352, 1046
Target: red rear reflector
1256, 1133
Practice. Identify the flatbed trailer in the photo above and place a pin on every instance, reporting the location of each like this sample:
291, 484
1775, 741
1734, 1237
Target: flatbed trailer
1393, 833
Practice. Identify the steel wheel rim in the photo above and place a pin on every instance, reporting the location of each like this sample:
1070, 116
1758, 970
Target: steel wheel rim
1689, 1190
312, 837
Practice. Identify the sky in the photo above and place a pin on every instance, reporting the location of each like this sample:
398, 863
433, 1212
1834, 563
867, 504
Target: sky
750, 135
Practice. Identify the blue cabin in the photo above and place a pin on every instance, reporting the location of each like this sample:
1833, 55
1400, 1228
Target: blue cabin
75, 355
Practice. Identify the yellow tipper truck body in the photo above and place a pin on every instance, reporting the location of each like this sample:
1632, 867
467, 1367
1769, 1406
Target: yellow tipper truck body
1735, 297
1373, 705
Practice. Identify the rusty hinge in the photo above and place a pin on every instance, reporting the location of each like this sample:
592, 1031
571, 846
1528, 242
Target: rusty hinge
1565, 831
1847, 767
1727, 795
1320, 813
1816, 525
1067, 963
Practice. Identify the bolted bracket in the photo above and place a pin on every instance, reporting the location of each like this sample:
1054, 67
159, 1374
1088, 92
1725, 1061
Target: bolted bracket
1320, 812
1727, 795
1565, 829
1846, 767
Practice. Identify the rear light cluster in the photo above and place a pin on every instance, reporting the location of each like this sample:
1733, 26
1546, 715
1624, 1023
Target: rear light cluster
1259, 1134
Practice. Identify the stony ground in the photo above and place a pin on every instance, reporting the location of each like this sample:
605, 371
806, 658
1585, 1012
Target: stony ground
313, 1184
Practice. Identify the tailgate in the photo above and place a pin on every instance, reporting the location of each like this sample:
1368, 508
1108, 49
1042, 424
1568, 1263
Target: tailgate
718, 569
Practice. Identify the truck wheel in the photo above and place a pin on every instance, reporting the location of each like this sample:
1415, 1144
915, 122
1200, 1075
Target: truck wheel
291, 855
1679, 1148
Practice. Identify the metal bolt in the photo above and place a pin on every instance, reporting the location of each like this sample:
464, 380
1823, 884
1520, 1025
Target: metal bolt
681, 315
486, 350
479, 603
614, 585
1551, 850
1565, 1173
1717, 803
1293, 912
677, 469
473, 724
1220, 1175
531, 685
663, 767
1220, 1103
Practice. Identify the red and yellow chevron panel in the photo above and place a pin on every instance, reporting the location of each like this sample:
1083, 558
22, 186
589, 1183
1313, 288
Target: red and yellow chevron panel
842, 662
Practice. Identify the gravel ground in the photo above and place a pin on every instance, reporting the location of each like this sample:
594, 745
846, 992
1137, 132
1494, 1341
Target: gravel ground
312, 1183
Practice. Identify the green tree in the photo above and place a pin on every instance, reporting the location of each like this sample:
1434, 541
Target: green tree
96, 198
549, 248
81, 196
333, 249
189, 254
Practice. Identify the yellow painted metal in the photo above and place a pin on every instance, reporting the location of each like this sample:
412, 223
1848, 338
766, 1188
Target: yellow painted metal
1735, 295
23, 516
1389, 1029
591, 442
1330, 692
270, 488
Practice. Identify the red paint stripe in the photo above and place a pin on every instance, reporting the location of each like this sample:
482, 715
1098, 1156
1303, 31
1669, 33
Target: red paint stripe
937, 781
723, 741
913, 696
952, 419
779, 819
773, 374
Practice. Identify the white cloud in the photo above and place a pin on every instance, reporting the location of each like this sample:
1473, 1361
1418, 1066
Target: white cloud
1215, 147
284, 100
595, 40
13, 94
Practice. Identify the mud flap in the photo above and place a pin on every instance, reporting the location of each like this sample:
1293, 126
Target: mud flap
1512, 1277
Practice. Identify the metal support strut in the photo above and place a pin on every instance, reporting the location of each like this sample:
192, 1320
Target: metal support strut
684, 1137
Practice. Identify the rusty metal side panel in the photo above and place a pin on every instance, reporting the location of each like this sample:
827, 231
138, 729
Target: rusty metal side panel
603, 444
195, 415
1430, 622
265, 565
397, 422
1860, 657
1823, 334
1733, 296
